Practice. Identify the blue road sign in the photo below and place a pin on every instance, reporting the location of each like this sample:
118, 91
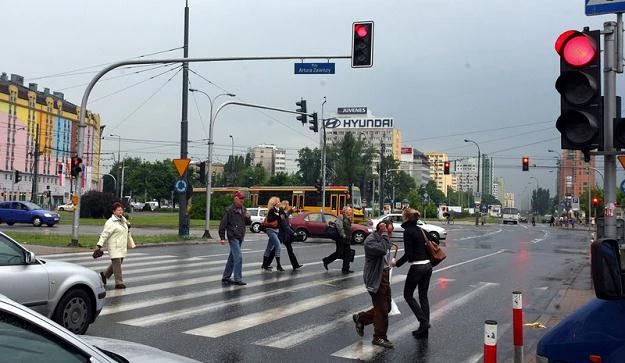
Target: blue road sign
599, 7
181, 186
623, 186
314, 68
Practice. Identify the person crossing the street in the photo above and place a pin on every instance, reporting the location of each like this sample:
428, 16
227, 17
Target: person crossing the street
232, 225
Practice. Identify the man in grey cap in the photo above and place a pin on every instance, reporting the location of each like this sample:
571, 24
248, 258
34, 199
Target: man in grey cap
233, 223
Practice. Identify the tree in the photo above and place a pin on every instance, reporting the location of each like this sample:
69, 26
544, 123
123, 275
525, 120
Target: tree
540, 201
309, 162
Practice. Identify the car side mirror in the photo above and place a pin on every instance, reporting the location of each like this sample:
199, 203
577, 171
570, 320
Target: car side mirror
605, 268
30, 257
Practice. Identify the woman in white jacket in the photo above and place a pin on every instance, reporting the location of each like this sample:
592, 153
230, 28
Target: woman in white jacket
115, 236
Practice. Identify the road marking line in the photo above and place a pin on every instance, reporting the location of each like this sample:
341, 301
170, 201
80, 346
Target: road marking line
251, 320
143, 260
545, 235
161, 318
483, 235
367, 352
86, 256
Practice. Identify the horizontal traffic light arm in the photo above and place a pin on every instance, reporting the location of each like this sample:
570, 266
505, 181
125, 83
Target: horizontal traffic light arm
252, 105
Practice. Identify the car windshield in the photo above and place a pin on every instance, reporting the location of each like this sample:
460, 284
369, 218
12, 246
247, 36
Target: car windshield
510, 211
32, 206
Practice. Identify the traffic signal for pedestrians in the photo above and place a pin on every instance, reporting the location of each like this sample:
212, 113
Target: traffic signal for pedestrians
318, 186
314, 123
203, 172
446, 168
18, 177
302, 108
525, 161
76, 166
579, 84
362, 44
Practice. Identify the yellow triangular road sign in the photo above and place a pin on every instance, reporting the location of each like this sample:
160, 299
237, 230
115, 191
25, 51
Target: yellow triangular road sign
181, 165
621, 158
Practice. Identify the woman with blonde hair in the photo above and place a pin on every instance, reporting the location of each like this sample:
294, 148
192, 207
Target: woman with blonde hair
272, 228
420, 271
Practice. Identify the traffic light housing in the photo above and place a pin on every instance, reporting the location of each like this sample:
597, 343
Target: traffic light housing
76, 166
203, 172
18, 177
314, 123
595, 201
579, 84
446, 168
318, 185
525, 163
302, 108
362, 44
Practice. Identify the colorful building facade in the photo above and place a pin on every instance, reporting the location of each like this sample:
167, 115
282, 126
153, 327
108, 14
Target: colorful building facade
42, 126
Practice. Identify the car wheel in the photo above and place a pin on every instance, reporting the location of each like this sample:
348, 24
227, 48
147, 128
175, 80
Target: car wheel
36, 221
303, 235
10, 223
74, 311
358, 237
255, 227
61, 208
435, 236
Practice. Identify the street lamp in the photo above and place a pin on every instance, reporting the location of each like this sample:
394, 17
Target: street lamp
119, 145
559, 173
232, 153
479, 156
210, 158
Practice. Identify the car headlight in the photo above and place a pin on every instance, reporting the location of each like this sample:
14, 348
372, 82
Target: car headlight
47, 215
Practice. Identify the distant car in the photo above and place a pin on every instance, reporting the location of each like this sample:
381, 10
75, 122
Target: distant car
66, 207
137, 206
310, 224
12, 212
511, 215
150, 206
257, 215
70, 294
436, 233
30, 337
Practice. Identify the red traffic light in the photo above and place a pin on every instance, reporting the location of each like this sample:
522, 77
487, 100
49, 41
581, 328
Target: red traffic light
361, 30
576, 48
595, 201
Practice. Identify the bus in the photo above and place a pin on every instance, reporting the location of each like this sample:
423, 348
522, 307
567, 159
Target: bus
302, 198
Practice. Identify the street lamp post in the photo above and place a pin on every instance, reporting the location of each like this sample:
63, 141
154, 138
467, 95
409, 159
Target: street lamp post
119, 145
232, 167
209, 167
559, 173
232, 152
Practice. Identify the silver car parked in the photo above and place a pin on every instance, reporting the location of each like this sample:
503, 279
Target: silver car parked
70, 294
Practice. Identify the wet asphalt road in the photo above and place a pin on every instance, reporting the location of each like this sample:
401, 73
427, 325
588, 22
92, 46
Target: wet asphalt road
175, 300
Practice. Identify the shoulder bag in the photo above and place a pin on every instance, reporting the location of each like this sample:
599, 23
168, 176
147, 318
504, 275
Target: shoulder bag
272, 225
435, 253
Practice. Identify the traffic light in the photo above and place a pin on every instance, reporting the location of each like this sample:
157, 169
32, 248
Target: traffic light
76, 166
203, 172
314, 124
595, 201
318, 186
362, 44
579, 84
525, 161
18, 177
302, 108
446, 168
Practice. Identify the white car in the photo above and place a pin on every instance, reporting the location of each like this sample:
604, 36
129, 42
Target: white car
436, 233
257, 215
27, 336
70, 294
66, 207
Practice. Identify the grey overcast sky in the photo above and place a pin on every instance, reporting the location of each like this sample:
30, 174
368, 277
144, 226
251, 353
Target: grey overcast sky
445, 70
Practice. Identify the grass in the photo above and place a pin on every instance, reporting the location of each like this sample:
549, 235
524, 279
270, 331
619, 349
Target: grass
146, 220
60, 240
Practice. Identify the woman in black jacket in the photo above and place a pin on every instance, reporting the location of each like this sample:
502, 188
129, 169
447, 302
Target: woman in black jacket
420, 271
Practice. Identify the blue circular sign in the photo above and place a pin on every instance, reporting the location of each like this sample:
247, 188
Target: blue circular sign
623, 186
181, 186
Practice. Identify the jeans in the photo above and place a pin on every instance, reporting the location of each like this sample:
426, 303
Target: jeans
419, 276
235, 260
273, 243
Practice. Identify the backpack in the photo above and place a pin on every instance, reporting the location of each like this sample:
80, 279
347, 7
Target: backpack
332, 231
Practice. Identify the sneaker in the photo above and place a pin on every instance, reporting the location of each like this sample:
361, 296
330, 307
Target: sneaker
360, 327
103, 278
383, 343
240, 283
120, 286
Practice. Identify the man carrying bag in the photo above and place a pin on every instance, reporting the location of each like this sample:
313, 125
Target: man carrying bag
343, 244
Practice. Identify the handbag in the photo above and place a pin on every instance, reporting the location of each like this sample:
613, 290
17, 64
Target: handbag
435, 252
131, 241
394, 309
98, 253
272, 225
332, 231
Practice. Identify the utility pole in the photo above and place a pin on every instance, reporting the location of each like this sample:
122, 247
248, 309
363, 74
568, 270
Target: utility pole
323, 163
36, 153
610, 38
183, 216
381, 185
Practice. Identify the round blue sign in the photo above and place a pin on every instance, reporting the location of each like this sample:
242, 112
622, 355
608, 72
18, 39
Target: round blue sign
181, 186
623, 186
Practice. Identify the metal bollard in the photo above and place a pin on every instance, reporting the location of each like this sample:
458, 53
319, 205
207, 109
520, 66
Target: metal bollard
517, 324
490, 341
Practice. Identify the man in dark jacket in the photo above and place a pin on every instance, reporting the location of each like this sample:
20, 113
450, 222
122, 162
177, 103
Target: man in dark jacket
343, 244
376, 277
233, 224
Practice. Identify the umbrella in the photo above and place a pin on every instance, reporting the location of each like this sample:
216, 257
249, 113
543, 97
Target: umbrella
394, 308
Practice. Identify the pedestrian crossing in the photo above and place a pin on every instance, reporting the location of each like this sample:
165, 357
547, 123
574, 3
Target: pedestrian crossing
288, 313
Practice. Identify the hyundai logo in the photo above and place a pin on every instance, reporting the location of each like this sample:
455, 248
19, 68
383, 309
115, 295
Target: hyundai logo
332, 123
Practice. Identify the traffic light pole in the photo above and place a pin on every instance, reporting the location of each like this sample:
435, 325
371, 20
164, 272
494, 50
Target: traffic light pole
609, 111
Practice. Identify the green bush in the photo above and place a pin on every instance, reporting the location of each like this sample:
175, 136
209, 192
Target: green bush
95, 204
219, 202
